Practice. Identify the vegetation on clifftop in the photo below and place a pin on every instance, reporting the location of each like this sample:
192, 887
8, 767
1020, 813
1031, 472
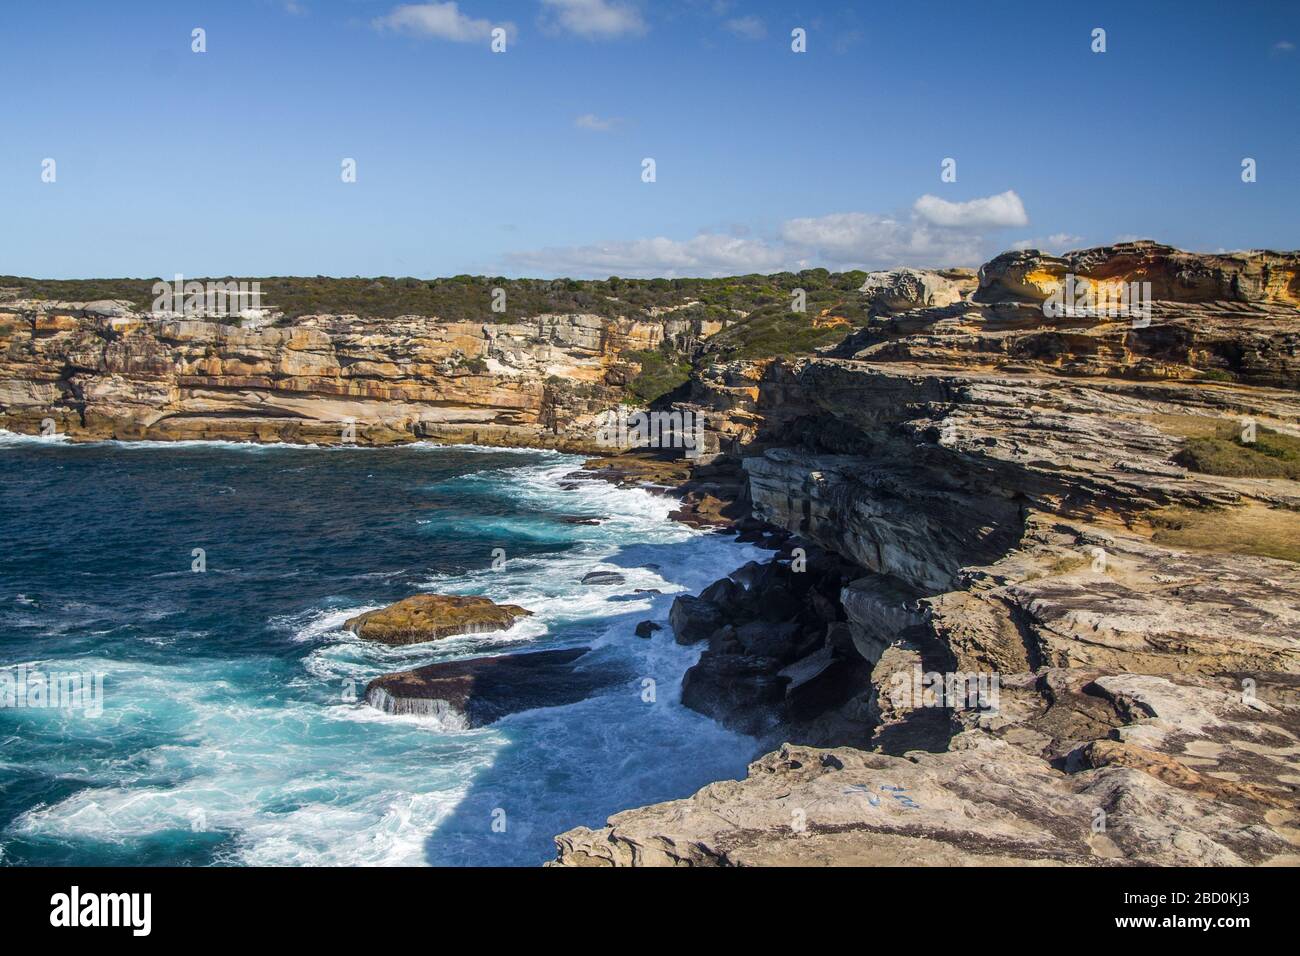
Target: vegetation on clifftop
661, 372
1250, 529
833, 308
1270, 455
470, 297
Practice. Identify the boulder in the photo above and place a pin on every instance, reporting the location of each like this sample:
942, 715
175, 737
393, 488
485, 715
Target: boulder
725, 593
693, 619
430, 617
475, 692
603, 577
740, 691
646, 628
902, 289
747, 573
768, 639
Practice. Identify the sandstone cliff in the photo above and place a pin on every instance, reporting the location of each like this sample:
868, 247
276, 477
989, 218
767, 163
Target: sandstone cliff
1014, 492
100, 370
1034, 594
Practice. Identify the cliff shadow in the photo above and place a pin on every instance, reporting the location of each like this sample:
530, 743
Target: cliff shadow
629, 744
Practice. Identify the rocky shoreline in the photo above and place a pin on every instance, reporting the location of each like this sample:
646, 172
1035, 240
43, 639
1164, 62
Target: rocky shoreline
1033, 595
1061, 644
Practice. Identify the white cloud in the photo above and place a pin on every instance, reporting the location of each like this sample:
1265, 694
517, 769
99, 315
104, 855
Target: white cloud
856, 239
1056, 242
996, 212
751, 28
443, 21
596, 19
593, 122
839, 241
706, 254
1283, 46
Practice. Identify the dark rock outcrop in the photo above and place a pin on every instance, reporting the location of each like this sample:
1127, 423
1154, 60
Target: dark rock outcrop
693, 619
475, 692
1059, 645
777, 658
738, 690
603, 577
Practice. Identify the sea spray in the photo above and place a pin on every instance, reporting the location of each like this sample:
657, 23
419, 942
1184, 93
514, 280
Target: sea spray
227, 734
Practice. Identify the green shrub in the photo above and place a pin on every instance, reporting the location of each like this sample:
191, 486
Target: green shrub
661, 372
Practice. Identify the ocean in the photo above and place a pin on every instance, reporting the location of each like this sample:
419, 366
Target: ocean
230, 726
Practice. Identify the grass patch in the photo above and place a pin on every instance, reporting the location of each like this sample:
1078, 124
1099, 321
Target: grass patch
1250, 529
1271, 455
1065, 565
1187, 426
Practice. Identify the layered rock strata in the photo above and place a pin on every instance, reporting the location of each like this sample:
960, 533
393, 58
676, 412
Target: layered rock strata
1076, 651
1004, 623
99, 370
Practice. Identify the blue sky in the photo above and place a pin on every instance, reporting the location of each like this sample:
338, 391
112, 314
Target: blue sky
529, 162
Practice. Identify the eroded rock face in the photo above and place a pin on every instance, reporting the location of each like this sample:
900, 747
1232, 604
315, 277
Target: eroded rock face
1175, 276
1075, 770
429, 617
905, 289
475, 692
996, 474
97, 370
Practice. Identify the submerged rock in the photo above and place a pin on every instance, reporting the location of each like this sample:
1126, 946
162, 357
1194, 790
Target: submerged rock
430, 617
603, 577
475, 692
646, 628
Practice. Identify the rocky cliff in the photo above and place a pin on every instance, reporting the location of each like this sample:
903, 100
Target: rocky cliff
1034, 592
101, 370
1071, 632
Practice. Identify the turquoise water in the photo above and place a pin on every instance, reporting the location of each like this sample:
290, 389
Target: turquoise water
230, 730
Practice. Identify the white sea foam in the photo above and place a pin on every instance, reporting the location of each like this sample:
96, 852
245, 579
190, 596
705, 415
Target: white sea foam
18, 438
280, 761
